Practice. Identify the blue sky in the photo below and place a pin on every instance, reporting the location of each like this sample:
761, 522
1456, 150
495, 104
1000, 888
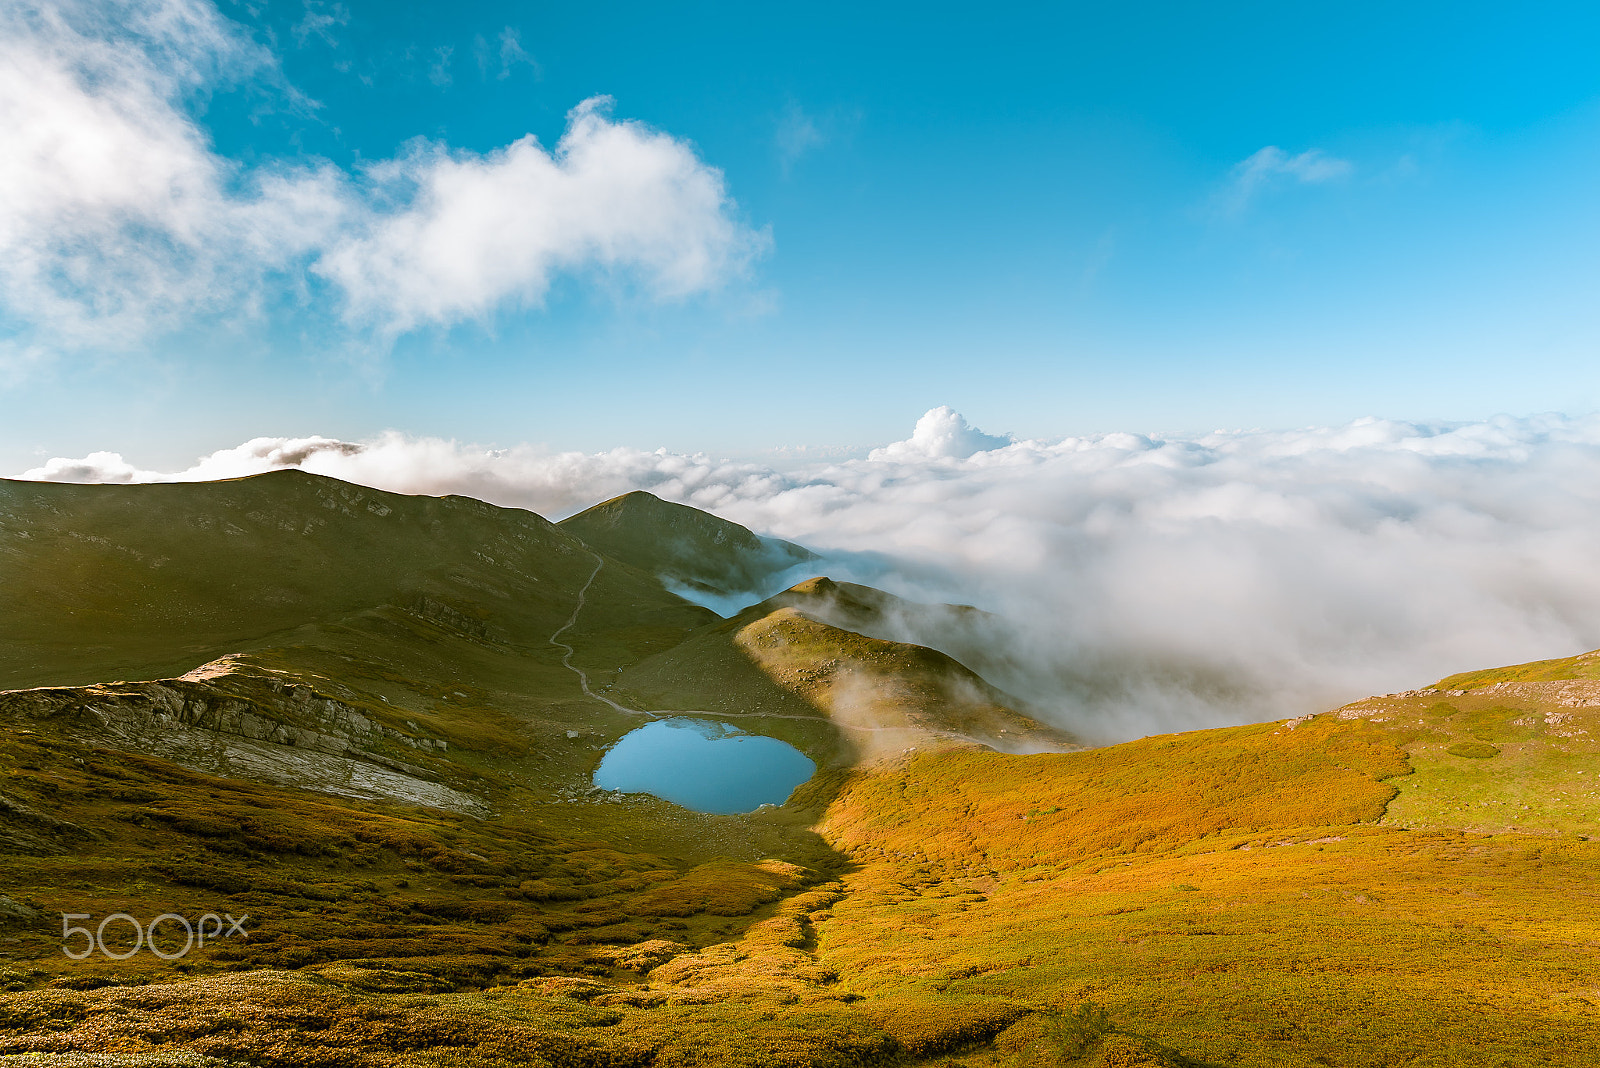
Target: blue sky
1059, 220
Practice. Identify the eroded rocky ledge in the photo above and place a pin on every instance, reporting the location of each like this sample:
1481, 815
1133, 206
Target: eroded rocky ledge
227, 720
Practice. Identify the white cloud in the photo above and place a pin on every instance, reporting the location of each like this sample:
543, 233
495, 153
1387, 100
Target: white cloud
115, 216
119, 220
1146, 584
97, 467
941, 434
1271, 164
476, 231
512, 53
321, 21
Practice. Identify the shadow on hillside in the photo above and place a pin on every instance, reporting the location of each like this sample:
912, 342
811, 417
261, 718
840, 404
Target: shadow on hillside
451, 899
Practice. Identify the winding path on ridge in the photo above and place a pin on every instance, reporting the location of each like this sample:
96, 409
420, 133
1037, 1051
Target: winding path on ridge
656, 713
566, 657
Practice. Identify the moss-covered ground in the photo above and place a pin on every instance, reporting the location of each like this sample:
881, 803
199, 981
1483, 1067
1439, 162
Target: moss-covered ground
1226, 897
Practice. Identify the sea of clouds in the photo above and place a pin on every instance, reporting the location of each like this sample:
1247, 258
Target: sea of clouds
1142, 584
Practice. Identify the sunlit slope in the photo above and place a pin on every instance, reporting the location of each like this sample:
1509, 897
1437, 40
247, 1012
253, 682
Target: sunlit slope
1514, 748
105, 582
1229, 897
886, 695
369, 897
1212, 898
1582, 666
972, 636
1145, 796
1235, 894
864, 609
684, 545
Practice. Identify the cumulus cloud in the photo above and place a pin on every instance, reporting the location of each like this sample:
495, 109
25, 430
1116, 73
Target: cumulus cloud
115, 215
1142, 584
119, 220
941, 434
477, 230
97, 467
1269, 165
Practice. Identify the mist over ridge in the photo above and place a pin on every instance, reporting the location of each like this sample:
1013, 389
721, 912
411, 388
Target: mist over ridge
1137, 584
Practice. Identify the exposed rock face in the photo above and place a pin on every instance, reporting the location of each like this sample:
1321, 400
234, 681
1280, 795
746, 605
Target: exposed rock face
1566, 708
256, 725
443, 615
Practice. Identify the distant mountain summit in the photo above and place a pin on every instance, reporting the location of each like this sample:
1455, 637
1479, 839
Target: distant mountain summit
684, 545
104, 582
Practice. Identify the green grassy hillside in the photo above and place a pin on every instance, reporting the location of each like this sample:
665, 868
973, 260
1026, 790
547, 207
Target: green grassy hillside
366, 739
430, 618
1500, 754
1583, 666
140, 582
779, 657
1221, 897
979, 640
685, 545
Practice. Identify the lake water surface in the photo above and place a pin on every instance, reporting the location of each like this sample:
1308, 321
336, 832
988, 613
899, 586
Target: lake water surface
704, 765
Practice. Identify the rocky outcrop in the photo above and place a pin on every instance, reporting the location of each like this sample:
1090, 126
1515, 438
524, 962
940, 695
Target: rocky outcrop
252, 724
218, 697
443, 615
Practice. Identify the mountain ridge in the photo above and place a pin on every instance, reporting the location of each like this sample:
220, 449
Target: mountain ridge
686, 546
1403, 879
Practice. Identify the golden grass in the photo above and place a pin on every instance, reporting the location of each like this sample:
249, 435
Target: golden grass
1223, 897
873, 684
1404, 881
1582, 666
978, 809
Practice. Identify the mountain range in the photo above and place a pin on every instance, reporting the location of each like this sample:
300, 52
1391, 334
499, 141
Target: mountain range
371, 721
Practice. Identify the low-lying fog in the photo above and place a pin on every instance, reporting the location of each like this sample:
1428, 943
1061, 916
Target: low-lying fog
1141, 584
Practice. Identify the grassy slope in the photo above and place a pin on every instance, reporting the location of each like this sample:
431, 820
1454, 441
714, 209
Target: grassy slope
1282, 894
683, 543
432, 616
150, 581
1325, 891
1229, 896
1582, 666
1513, 749
432, 612
370, 898
886, 696
978, 640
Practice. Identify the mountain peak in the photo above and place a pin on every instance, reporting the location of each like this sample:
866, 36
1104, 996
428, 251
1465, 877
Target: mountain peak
684, 545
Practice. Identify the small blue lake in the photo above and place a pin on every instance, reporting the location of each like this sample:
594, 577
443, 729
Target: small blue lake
704, 765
